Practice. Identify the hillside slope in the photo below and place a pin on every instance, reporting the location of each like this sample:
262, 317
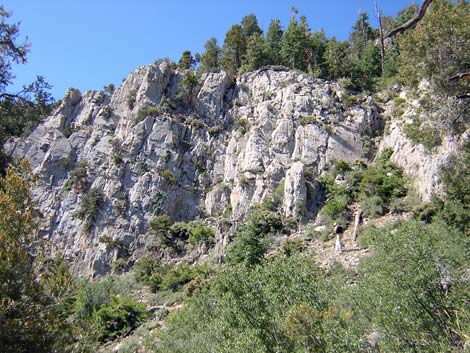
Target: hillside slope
166, 142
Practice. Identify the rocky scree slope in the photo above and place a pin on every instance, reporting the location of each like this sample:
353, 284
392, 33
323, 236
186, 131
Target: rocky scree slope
109, 162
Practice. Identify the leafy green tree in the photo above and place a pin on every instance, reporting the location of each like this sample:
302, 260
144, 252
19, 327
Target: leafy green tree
120, 316
361, 34
390, 67
456, 179
294, 43
186, 61
234, 49
438, 48
250, 244
12, 52
316, 54
23, 110
29, 317
210, 59
256, 55
273, 42
365, 55
250, 26
243, 309
337, 59
413, 290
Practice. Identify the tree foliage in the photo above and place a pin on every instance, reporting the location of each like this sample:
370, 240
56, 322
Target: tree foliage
438, 48
294, 43
234, 49
273, 41
23, 110
210, 59
29, 319
413, 289
186, 61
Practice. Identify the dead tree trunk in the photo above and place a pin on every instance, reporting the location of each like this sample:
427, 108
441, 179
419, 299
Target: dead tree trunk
381, 36
357, 223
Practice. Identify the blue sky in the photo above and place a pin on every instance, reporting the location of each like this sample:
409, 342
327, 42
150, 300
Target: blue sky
90, 43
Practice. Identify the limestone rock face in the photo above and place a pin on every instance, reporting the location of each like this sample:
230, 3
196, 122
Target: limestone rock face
158, 146
423, 165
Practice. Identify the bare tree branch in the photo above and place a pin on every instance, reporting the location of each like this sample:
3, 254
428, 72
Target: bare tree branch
460, 76
411, 23
17, 97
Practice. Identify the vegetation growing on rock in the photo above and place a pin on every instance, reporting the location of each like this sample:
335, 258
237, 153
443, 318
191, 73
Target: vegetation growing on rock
245, 277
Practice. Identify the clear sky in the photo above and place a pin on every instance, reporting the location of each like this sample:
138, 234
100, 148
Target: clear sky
90, 43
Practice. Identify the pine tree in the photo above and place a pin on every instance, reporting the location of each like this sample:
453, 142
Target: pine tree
256, 55
273, 42
364, 54
250, 26
186, 61
234, 49
210, 59
337, 59
294, 43
316, 52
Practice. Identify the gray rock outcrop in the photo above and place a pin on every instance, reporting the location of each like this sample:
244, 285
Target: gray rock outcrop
158, 146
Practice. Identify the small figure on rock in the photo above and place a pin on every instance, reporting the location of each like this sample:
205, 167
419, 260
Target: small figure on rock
338, 231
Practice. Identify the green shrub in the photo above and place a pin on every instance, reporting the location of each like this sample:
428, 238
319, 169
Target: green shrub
145, 267
197, 123
411, 289
91, 295
372, 206
111, 243
308, 119
78, 177
90, 207
194, 231
147, 111
172, 234
169, 176
109, 89
106, 112
117, 318
243, 181
215, 130
131, 99
198, 232
251, 244
117, 159
335, 207
175, 277
421, 132
160, 224
119, 265
243, 125
274, 202
383, 179
167, 156
245, 310
376, 186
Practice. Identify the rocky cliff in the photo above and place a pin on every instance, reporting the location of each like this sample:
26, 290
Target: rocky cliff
166, 142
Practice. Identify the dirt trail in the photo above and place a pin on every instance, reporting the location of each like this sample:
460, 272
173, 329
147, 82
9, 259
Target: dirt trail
325, 253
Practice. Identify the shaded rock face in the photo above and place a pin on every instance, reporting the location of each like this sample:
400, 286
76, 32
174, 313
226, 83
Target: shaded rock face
160, 146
